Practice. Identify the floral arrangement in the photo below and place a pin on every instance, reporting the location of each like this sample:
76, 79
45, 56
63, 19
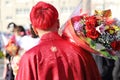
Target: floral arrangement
100, 31
12, 48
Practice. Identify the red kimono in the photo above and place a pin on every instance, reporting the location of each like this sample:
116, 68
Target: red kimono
57, 59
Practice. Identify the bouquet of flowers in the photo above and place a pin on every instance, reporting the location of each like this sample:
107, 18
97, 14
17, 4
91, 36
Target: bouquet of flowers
12, 48
100, 31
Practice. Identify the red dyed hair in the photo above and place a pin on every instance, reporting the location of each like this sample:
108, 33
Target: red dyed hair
43, 15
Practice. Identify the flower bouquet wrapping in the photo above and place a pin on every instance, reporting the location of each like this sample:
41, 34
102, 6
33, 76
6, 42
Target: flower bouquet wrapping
98, 33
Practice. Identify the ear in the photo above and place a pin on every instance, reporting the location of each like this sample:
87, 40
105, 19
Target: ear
35, 30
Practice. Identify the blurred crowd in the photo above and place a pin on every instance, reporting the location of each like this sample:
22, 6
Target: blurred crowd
13, 45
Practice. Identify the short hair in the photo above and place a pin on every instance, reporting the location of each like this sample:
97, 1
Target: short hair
43, 15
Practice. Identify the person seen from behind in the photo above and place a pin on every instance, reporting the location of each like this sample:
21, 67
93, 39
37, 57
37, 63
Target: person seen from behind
54, 58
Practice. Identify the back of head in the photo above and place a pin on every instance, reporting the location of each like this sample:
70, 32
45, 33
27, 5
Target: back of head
11, 26
43, 16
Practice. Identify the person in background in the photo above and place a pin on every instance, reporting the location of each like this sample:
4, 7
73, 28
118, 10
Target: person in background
13, 47
116, 70
8, 71
105, 67
54, 58
11, 26
28, 41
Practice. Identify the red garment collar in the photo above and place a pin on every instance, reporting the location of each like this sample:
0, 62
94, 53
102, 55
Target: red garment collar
50, 36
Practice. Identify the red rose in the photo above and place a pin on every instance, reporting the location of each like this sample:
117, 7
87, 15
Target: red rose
93, 34
89, 28
115, 45
91, 21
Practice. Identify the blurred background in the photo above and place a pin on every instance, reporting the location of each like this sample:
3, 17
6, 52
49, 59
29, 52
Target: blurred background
17, 11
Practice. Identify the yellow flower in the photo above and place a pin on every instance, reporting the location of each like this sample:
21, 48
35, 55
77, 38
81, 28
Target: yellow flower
117, 28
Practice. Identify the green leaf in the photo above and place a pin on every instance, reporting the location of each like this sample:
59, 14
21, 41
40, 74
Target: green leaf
91, 42
108, 55
1, 54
